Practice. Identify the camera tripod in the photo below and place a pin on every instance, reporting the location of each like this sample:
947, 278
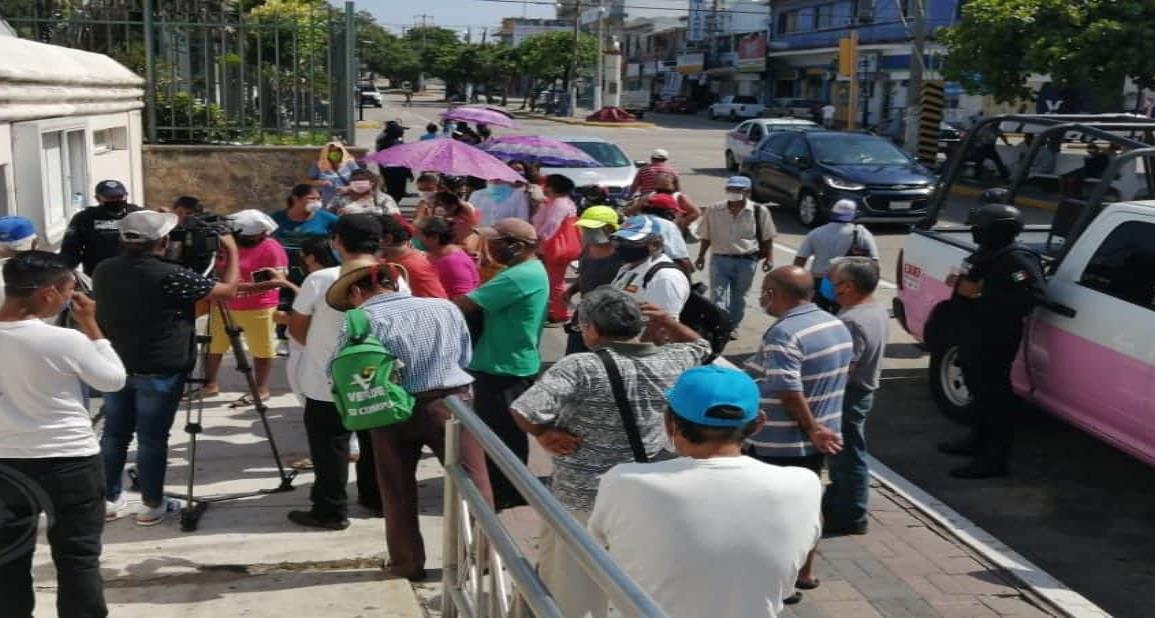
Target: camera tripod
195, 506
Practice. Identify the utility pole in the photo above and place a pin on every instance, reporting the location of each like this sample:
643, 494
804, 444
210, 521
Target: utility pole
571, 72
914, 84
600, 74
424, 25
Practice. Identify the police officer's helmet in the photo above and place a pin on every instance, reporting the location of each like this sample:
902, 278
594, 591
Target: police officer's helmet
1002, 217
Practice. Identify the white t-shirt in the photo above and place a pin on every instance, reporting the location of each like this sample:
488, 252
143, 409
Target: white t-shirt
828, 112
720, 537
43, 407
321, 341
668, 288
834, 240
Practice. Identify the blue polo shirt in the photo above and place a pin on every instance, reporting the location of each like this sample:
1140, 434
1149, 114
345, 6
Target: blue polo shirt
292, 233
806, 350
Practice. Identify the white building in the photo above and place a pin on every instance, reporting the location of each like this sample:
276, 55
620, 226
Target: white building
68, 119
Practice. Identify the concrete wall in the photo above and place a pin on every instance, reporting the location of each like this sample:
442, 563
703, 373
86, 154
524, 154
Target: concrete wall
227, 178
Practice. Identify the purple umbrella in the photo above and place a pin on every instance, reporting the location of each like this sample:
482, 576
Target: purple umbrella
479, 114
537, 149
445, 156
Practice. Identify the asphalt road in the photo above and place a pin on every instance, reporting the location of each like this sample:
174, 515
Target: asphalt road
1077, 508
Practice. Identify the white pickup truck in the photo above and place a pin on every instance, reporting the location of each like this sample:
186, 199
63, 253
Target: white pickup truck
1088, 350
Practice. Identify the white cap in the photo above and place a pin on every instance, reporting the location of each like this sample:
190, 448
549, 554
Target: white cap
146, 225
660, 153
253, 222
844, 211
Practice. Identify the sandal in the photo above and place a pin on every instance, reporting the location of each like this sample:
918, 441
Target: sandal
305, 463
807, 584
246, 401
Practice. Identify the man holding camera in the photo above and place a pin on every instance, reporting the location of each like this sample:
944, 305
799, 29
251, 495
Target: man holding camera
146, 305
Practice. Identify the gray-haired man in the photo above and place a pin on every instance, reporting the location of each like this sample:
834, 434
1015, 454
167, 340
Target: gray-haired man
854, 280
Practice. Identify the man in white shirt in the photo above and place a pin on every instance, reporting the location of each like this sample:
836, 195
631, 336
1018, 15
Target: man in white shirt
828, 111
49, 456
732, 531
648, 274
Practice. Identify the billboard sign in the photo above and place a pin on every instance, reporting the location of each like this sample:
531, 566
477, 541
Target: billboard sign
752, 53
691, 63
696, 23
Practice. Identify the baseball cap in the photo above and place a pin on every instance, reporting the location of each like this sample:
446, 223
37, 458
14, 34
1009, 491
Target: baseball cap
17, 233
664, 201
510, 227
638, 228
596, 217
843, 210
146, 225
111, 189
703, 388
252, 222
660, 153
738, 182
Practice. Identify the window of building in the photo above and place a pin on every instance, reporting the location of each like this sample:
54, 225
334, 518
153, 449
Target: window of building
1124, 265
788, 22
64, 162
105, 140
824, 17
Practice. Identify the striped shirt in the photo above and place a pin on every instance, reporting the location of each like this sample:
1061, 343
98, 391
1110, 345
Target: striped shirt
806, 350
644, 180
428, 335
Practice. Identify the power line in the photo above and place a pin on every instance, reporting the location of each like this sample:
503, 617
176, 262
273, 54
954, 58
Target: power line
639, 7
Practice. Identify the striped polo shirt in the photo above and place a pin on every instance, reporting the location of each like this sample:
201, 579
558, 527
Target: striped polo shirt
806, 350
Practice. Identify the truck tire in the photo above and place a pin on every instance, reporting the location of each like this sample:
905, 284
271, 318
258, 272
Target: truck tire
947, 386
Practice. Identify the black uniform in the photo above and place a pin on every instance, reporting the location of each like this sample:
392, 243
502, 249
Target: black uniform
1011, 278
94, 236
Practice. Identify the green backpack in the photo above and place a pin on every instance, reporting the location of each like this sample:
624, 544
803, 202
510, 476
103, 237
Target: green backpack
365, 388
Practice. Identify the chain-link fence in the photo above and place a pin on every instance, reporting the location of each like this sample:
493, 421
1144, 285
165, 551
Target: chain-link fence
217, 73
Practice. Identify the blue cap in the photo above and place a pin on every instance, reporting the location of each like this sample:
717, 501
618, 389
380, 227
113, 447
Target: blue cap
638, 228
710, 386
738, 182
16, 229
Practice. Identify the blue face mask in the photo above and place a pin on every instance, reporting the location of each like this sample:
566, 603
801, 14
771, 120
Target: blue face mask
501, 191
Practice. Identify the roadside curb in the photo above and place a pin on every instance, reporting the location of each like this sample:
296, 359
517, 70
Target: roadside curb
1055, 593
586, 123
970, 191
368, 124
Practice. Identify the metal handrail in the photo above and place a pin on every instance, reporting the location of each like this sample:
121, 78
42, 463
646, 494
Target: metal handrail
531, 594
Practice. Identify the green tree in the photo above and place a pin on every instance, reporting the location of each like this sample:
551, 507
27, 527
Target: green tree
549, 56
1091, 44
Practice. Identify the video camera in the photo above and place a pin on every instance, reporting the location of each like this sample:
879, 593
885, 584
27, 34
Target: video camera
195, 242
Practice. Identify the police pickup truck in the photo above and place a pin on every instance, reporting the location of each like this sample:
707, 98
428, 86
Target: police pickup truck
1088, 349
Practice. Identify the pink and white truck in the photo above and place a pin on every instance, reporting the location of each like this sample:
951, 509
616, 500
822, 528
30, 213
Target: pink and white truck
1088, 350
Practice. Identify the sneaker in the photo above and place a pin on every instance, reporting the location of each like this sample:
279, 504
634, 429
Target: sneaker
308, 519
151, 516
112, 508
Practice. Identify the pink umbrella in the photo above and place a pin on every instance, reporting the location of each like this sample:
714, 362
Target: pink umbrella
445, 156
480, 114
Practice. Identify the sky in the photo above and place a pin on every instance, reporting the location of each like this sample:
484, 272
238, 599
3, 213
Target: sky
463, 14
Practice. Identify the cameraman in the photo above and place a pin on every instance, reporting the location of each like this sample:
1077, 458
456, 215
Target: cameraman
92, 235
145, 304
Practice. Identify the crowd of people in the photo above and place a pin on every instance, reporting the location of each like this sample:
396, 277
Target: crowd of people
635, 418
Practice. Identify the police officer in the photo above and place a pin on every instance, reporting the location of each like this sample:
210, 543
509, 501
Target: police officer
93, 234
1001, 284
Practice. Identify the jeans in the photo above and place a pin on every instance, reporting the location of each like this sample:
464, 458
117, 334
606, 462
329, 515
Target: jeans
145, 406
72, 491
847, 498
730, 279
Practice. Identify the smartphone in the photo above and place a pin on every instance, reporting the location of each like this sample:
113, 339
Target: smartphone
262, 276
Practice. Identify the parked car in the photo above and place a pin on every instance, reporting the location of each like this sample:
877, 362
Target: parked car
370, 95
793, 108
810, 170
1086, 351
677, 105
735, 107
615, 175
744, 138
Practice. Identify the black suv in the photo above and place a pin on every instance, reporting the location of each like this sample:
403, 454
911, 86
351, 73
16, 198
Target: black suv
811, 170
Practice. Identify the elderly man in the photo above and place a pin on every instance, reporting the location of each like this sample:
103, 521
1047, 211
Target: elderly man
648, 274
841, 237
801, 368
644, 180
854, 280
740, 232
575, 416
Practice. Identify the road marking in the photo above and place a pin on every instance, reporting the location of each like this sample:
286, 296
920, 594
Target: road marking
882, 283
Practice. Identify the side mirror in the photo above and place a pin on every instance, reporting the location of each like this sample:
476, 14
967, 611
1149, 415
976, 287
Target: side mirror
801, 161
640, 163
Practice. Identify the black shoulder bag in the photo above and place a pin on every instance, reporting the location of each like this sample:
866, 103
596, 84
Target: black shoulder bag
626, 410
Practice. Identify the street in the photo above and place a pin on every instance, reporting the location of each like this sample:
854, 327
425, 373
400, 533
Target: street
1077, 508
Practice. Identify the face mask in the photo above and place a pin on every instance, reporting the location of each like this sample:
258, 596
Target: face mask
735, 196
503, 253
313, 205
631, 254
335, 157
425, 195
249, 241
116, 206
361, 186
595, 237
501, 192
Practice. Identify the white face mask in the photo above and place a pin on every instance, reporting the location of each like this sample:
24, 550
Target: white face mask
426, 194
361, 186
735, 196
313, 205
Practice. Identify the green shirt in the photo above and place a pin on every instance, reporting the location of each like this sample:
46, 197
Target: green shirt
514, 304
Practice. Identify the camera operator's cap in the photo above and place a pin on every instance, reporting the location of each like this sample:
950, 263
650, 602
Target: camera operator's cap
597, 217
253, 222
702, 389
638, 228
843, 211
17, 233
112, 189
660, 154
664, 201
146, 225
510, 228
738, 182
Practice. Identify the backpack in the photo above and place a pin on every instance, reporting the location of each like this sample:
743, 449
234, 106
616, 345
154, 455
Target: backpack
365, 388
857, 250
710, 321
